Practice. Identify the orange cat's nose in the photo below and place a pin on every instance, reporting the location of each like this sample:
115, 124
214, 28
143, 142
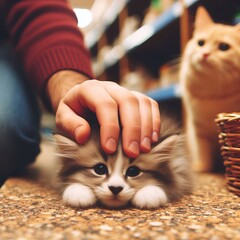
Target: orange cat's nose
115, 190
205, 55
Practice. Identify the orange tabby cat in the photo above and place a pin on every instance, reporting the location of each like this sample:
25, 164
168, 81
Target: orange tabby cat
210, 79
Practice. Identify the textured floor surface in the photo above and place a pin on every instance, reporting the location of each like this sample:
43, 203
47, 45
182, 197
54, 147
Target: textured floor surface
30, 210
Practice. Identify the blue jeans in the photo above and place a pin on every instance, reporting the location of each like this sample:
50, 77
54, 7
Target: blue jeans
19, 117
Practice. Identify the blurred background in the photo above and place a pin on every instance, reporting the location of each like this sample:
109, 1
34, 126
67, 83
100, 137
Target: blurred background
138, 43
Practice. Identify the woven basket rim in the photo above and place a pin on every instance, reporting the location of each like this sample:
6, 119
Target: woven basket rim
227, 116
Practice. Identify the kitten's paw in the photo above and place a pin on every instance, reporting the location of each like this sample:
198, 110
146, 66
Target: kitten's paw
78, 195
150, 197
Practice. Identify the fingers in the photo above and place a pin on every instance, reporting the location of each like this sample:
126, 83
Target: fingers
76, 127
150, 121
156, 122
91, 95
140, 119
146, 122
139, 116
130, 117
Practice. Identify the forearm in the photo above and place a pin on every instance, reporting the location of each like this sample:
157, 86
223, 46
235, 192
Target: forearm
47, 40
59, 84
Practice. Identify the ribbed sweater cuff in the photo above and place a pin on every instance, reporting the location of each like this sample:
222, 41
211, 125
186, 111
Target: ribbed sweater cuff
58, 58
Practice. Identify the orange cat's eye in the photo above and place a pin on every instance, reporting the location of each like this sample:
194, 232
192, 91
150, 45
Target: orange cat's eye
201, 42
223, 46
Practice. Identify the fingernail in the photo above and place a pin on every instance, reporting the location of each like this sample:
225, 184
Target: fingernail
111, 145
155, 136
134, 147
146, 143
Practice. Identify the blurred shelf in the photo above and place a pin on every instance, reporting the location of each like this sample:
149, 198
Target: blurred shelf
137, 38
165, 93
152, 45
149, 39
110, 15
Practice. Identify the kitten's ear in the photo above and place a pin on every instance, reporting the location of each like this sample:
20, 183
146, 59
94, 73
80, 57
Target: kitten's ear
64, 143
202, 19
166, 145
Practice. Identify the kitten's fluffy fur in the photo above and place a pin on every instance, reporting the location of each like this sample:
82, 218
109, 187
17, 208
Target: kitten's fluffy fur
210, 79
88, 175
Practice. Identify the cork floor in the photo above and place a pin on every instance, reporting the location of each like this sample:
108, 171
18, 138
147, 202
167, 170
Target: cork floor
31, 210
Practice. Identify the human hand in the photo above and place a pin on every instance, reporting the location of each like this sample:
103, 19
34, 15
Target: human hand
139, 116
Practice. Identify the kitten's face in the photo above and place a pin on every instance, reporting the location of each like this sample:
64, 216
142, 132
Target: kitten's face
89, 175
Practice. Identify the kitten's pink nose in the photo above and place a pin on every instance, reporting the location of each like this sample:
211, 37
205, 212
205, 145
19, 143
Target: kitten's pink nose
115, 190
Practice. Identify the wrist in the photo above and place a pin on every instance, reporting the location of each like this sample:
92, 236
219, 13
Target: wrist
60, 83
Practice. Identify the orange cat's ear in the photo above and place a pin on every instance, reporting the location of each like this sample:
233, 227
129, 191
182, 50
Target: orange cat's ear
203, 19
238, 27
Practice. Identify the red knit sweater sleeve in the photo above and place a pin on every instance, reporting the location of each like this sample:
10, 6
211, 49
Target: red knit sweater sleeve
46, 38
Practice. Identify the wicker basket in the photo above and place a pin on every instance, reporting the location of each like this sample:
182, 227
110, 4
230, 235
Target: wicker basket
229, 138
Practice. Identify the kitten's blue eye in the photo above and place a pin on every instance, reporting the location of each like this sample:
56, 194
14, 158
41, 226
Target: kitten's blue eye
201, 42
133, 171
100, 169
223, 46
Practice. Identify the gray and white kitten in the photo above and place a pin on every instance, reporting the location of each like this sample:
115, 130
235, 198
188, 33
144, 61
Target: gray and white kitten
89, 176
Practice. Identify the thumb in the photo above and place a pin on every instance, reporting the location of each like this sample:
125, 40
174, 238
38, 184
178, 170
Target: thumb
76, 127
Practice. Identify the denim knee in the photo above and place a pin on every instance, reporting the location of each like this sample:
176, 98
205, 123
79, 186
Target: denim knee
19, 116
19, 145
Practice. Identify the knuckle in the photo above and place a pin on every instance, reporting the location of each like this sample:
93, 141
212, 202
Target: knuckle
154, 103
113, 84
157, 122
147, 101
135, 127
87, 84
131, 99
66, 124
143, 99
62, 122
107, 104
58, 119
112, 127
